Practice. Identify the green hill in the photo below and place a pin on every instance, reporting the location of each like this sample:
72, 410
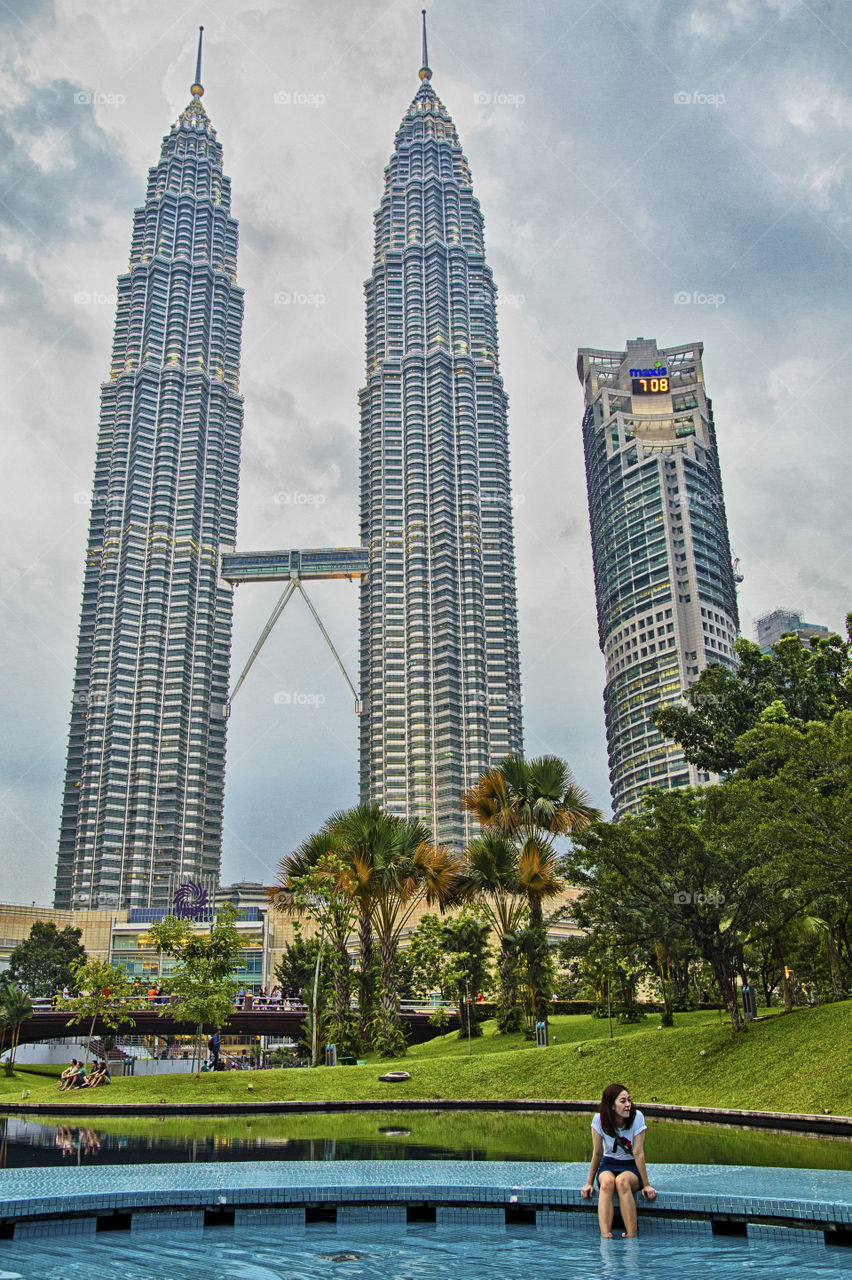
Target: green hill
801, 1062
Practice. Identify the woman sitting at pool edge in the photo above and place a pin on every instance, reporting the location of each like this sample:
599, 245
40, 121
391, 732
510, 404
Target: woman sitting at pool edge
618, 1159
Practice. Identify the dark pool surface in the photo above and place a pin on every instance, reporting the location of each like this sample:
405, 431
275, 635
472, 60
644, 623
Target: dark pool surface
400, 1135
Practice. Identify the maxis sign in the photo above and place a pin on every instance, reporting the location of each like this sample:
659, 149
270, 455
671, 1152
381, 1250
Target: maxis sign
650, 382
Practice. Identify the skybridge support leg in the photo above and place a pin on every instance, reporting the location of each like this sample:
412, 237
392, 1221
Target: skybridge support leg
264, 635
292, 586
334, 652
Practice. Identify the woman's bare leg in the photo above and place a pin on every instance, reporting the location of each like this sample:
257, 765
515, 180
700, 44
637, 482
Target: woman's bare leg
606, 1191
627, 1184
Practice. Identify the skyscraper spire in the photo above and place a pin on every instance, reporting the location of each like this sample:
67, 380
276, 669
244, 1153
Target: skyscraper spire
197, 90
425, 70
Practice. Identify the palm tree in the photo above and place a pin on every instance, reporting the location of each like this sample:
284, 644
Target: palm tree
411, 871
530, 797
315, 881
391, 866
16, 1009
365, 838
489, 877
532, 802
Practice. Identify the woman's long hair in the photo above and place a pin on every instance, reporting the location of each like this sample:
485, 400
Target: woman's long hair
610, 1122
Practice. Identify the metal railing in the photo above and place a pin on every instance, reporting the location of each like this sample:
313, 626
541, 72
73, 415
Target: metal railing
249, 1003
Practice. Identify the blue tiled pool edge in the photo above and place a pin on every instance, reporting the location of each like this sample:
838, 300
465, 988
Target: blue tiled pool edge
809, 1204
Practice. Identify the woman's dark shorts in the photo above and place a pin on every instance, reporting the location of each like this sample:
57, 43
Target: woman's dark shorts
610, 1165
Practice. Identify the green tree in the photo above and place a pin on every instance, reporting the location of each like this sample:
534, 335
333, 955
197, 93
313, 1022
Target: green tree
489, 878
451, 956
301, 970
532, 802
102, 990
387, 866
317, 883
793, 793
363, 838
202, 980
414, 871
810, 682
44, 964
792, 796
687, 874
295, 969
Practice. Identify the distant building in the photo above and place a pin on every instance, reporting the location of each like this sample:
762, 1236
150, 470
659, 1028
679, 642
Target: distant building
772, 626
664, 579
122, 938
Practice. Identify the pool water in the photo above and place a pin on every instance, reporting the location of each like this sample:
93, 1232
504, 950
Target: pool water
390, 1252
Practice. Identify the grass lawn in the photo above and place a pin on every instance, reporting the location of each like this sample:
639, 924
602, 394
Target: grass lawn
800, 1062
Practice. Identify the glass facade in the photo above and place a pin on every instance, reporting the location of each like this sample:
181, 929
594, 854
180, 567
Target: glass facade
143, 796
664, 580
440, 679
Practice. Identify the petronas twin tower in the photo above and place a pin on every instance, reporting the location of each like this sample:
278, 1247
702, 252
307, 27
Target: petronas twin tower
439, 635
440, 682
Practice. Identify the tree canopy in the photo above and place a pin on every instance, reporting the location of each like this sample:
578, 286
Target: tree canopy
810, 682
202, 980
672, 873
45, 963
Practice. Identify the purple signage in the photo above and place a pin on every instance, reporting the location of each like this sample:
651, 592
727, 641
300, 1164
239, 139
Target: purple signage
190, 900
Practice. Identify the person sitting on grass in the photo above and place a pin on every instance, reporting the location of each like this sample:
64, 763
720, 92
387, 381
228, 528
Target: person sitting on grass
98, 1075
618, 1159
65, 1078
76, 1077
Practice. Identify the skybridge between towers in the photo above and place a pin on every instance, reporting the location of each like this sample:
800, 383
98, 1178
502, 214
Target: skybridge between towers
293, 566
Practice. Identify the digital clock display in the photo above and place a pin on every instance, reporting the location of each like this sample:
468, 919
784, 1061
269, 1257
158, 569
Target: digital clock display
651, 386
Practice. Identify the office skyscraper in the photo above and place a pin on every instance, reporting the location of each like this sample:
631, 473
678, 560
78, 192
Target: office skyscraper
143, 792
440, 679
664, 579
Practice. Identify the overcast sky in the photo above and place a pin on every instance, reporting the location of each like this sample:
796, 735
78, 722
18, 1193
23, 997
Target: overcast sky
623, 154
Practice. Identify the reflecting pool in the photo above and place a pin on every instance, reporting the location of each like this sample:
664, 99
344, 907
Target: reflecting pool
391, 1135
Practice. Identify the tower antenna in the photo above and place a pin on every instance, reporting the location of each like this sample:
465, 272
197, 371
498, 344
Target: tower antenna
198, 88
425, 70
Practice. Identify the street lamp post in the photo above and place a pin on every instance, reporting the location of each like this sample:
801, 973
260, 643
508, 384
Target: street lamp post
315, 903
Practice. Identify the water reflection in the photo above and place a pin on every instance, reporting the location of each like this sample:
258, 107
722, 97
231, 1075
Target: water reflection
26, 1143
